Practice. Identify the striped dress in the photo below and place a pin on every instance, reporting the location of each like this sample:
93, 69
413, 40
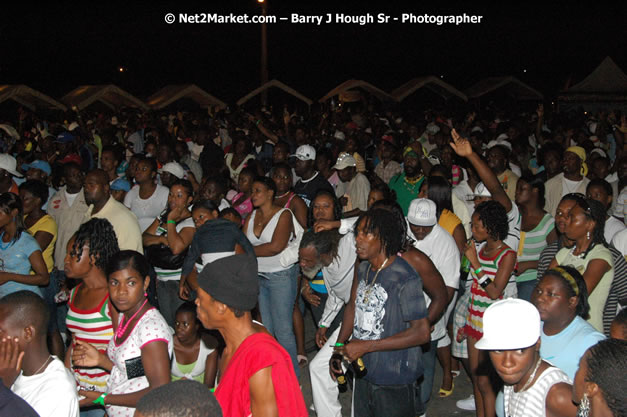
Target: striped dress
172, 274
532, 243
532, 402
479, 298
92, 326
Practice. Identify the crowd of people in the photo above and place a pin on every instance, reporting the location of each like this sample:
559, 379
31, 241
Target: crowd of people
157, 264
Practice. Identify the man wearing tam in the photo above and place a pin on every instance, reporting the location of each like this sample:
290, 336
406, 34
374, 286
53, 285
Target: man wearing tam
353, 188
533, 387
256, 373
571, 180
440, 247
407, 183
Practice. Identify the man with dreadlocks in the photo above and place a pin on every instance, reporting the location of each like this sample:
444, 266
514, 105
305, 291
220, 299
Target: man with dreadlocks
334, 254
387, 317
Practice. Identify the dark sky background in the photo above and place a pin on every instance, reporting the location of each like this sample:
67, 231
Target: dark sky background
55, 47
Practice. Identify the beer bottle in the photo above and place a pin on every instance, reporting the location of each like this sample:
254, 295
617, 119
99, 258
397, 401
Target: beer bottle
342, 383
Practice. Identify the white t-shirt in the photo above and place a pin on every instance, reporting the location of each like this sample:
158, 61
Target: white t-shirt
51, 393
70, 197
620, 242
612, 226
441, 248
147, 210
569, 186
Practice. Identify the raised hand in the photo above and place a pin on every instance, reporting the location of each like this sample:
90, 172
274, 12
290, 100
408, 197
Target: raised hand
10, 360
460, 145
85, 355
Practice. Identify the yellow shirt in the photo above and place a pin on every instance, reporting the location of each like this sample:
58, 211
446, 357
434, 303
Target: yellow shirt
46, 224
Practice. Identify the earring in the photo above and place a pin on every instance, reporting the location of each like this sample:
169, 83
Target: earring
588, 235
145, 294
584, 407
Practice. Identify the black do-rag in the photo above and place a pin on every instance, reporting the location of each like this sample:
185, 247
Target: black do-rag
232, 281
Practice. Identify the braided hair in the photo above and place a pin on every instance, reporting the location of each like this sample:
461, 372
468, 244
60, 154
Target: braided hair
607, 366
99, 235
494, 217
387, 226
575, 287
395, 208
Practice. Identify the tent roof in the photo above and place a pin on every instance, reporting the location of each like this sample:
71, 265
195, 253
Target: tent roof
352, 84
512, 85
110, 95
274, 83
432, 83
29, 97
171, 93
607, 78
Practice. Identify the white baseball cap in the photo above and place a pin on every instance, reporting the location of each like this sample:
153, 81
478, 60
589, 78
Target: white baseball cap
481, 191
422, 212
173, 168
305, 153
339, 135
510, 324
9, 164
345, 160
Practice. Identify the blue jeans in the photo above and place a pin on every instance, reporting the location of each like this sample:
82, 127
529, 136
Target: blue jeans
169, 300
57, 311
429, 354
372, 400
277, 293
525, 289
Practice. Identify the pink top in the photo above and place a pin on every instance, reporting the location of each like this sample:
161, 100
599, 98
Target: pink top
245, 207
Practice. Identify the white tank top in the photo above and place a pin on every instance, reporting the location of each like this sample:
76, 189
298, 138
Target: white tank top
532, 402
199, 367
266, 263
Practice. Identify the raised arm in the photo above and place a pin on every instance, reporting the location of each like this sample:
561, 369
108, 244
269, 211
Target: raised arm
462, 147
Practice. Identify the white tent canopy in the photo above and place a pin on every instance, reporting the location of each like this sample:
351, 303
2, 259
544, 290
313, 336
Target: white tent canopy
109, 95
512, 86
434, 84
349, 89
277, 84
172, 93
29, 97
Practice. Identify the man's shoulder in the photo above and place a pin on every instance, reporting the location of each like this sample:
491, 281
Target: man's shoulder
555, 180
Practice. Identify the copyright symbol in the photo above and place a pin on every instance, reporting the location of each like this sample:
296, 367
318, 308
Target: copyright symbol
169, 18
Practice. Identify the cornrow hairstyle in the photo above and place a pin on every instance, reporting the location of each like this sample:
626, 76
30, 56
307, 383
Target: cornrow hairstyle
8, 203
575, 287
395, 208
99, 235
494, 217
440, 193
387, 227
337, 208
37, 189
607, 366
128, 259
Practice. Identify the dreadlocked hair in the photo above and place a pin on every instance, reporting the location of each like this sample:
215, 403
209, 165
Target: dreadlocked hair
494, 217
99, 235
565, 272
607, 366
395, 208
326, 242
387, 226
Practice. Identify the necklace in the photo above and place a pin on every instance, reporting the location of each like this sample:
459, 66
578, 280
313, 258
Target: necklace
43, 364
524, 388
370, 285
120, 331
580, 256
8, 244
282, 195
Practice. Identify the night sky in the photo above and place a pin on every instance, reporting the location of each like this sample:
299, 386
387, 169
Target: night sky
55, 48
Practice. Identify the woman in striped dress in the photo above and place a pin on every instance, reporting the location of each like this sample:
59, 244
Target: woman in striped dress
537, 232
492, 270
90, 314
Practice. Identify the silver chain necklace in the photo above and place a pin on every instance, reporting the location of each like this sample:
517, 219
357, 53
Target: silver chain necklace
524, 388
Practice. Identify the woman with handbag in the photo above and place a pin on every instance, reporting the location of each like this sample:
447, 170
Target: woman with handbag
269, 229
166, 242
138, 355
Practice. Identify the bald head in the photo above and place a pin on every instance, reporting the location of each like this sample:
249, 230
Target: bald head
99, 175
96, 187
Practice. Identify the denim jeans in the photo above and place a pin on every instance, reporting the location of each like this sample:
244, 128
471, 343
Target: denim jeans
169, 300
429, 354
525, 289
57, 311
277, 293
370, 400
